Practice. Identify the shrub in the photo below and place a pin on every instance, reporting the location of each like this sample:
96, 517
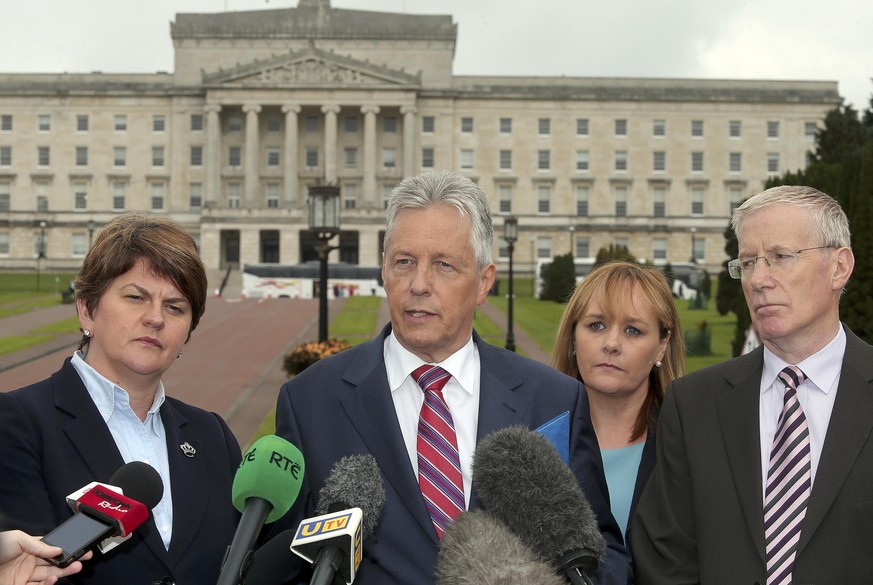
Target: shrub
309, 352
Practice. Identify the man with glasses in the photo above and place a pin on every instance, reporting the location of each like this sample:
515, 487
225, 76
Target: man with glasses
765, 462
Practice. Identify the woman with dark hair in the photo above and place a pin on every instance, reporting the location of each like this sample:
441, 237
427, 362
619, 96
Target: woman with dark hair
140, 294
620, 336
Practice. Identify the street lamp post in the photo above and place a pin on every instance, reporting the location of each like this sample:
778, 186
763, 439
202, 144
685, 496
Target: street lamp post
693, 259
40, 252
91, 226
510, 234
324, 213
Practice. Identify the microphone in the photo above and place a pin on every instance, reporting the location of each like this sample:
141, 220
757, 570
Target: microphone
350, 504
478, 549
264, 488
523, 482
271, 562
103, 515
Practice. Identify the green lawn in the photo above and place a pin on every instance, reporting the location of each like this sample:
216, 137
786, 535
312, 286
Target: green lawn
19, 293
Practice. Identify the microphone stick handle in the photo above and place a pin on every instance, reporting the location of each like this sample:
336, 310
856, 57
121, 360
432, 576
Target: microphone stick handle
327, 563
577, 577
251, 522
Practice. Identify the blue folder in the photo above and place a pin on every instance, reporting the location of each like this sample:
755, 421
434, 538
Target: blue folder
557, 431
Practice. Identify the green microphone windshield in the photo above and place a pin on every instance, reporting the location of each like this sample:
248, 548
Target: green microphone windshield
272, 469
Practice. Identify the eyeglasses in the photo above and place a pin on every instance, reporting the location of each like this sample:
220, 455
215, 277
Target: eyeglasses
779, 260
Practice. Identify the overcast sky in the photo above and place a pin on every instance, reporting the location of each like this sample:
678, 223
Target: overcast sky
724, 39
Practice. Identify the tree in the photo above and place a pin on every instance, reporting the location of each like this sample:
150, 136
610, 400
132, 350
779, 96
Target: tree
559, 279
612, 253
730, 297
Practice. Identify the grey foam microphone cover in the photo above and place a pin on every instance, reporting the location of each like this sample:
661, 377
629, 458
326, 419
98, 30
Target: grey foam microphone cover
354, 482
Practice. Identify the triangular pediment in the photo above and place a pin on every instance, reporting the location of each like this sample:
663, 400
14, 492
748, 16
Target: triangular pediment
310, 67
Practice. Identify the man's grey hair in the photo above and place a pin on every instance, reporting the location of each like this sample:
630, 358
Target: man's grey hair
435, 188
829, 218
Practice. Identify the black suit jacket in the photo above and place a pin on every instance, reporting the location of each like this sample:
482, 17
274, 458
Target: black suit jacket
342, 406
53, 441
700, 519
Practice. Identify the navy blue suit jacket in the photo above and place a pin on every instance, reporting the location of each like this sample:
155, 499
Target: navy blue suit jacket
53, 441
342, 406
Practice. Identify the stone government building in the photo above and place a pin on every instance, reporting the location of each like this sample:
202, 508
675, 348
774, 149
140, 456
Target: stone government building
263, 104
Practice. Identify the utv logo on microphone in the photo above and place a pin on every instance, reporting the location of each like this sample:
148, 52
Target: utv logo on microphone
322, 525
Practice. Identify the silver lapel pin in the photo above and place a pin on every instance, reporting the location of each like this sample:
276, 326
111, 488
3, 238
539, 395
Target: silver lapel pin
187, 449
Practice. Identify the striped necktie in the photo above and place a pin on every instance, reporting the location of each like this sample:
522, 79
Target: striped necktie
789, 483
439, 465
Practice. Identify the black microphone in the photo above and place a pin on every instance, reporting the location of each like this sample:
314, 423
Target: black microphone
102, 512
522, 480
272, 561
349, 504
478, 549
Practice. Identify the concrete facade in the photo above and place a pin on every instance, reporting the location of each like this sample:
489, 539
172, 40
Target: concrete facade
264, 104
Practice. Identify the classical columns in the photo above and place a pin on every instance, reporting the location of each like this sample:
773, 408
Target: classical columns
213, 154
369, 196
252, 173
408, 140
330, 111
291, 154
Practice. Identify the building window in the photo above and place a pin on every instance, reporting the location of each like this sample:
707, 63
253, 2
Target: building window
234, 191
620, 192
389, 158
389, 124
6, 123
271, 195
4, 239
274, 124
234, 156
659, 128
427, 158
350, 195
44, 122
544, 247
735, 128
773, 163
544, 160
659, 248
158, 190
504, 195
581, 160
659, 161
506, 125
81, 156
196, 122
157, 156
772, 129
234, 123
809, 130
120, 123
80, 195
428, 124
311, 156
697, 197
273, 156
581, 126
350, 124
583, 192
159, 123
466, 161
195, 196
119, 192
5, 197
505, 160
386, 194
119, 156
621, 161
659, 201
583, 248
544, 126
735, 195
467, 125
350, 158
43, 156
621, 127
5, 156
735, 163
196, 156
544, 198
697, 128
81, 122
79, 244
311, 123
697, 162
42, 196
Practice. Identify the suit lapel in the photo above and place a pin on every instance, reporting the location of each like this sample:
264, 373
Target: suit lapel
738, 413
849, 430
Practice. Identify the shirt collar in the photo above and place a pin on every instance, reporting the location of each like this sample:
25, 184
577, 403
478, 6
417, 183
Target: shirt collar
400, 363
821, 368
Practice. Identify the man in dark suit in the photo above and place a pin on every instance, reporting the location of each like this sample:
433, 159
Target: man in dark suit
437, 269
764, 468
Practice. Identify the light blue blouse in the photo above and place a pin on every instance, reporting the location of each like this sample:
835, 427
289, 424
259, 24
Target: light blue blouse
621, 467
